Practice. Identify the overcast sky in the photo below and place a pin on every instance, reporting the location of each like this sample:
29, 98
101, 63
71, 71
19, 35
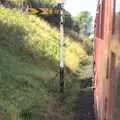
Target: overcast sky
75, 6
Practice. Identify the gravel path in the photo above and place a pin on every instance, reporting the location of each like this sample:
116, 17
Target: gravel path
84, 105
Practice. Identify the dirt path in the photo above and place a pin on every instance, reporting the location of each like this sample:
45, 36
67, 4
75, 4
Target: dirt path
84, 105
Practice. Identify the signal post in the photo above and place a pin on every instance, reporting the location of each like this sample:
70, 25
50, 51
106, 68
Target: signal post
59, 11
61, 49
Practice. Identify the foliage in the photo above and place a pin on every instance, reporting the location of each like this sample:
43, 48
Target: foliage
39, 1
68, 21
42, 3
83, 22
30, 3
87, 44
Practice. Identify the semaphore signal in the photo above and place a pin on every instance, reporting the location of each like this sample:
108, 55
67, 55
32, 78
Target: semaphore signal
44, 11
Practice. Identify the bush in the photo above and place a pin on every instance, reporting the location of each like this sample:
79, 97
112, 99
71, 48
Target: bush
88, 46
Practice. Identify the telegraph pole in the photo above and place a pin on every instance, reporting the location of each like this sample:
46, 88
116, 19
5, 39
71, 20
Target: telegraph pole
61, 49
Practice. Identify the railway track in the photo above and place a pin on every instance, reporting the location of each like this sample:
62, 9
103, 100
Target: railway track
84, 104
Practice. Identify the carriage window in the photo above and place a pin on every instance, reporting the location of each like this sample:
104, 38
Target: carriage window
102, 18
112, 67
107, 68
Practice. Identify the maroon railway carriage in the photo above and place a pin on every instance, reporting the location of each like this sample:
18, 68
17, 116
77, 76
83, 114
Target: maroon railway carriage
106, 51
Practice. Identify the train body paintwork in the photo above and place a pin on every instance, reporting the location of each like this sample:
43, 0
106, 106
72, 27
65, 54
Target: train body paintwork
106, 52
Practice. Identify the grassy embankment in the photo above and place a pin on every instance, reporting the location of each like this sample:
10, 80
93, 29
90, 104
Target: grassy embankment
28, 65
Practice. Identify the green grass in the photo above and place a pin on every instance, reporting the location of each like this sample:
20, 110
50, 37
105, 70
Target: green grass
29, 55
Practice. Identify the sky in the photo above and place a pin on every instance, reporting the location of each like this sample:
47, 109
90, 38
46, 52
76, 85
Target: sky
75, 6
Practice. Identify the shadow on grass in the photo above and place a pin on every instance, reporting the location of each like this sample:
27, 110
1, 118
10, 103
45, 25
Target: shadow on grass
12, 37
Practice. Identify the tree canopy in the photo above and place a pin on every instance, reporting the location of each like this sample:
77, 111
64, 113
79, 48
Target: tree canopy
83, 22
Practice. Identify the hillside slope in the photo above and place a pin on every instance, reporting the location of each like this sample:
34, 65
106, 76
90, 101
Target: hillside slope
29, 55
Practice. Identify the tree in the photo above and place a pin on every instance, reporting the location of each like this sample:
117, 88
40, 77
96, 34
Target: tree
42, 3
68, 21
83, 22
